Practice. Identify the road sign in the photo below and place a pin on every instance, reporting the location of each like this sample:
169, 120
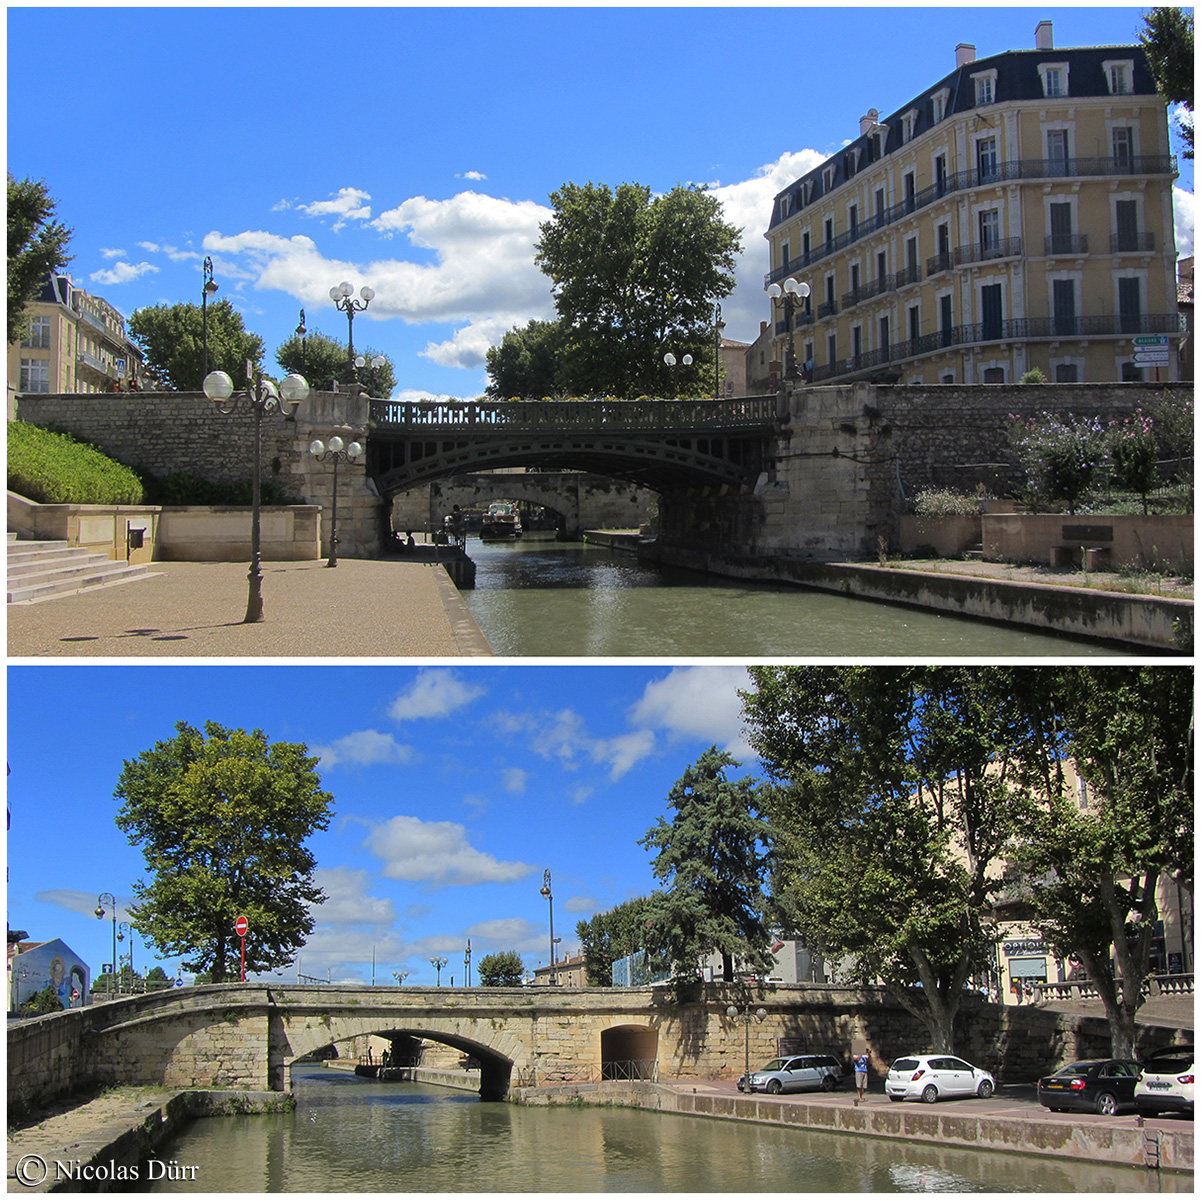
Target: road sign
241, 927
1152, 358
1158, 340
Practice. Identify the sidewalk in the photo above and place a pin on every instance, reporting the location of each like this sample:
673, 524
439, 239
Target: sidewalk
363, 608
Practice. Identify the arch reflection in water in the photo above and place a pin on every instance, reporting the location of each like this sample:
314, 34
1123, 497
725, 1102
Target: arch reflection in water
351, 1134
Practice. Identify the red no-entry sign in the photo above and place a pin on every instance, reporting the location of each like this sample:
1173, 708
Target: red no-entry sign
241, 927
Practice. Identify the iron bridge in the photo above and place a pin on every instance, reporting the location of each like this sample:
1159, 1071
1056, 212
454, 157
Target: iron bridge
664, 445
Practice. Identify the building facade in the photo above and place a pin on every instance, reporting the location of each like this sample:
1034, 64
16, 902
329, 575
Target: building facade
73, 342
1017, 214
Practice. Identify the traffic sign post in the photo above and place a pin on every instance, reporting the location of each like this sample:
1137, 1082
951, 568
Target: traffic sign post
242, 928
1157, 340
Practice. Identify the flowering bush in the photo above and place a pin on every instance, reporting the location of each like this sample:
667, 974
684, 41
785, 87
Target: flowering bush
946, 502
1135, 454
1065, 458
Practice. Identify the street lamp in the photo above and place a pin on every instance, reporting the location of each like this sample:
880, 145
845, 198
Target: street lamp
377, 361
718, 326
265, 398
302, 333
109, 899
794, 291
467, 965
437, 962
126, 928
344, 301
550, 900
670, 360
205, 292
759, 1014
337, 451
400, 976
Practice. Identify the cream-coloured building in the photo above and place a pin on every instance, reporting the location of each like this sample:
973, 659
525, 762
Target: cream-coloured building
73, 342
1016, 214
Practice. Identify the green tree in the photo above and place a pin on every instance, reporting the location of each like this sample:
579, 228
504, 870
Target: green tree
634, 276
37, 245
712, 859
1167, 38
526, 363
322, 361
1089, 875
503, 969
157, 979
45, 1001
891, 808
611, 935
221, 816
171, 338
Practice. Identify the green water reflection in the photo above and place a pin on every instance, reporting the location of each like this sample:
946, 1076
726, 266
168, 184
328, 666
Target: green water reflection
569, 600
355, 1135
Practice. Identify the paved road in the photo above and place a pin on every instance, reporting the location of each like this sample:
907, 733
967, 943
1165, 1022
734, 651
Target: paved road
361, 608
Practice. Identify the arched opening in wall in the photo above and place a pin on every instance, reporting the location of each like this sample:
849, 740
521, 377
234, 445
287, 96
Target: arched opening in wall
629, 1052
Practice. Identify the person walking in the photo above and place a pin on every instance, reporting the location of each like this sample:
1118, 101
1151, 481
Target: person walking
861, 1074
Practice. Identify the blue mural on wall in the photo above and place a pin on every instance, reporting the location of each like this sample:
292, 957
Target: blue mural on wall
50, 964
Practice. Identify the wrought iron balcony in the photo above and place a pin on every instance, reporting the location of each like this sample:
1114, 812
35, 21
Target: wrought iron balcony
1131, 243
980, 252
1065, 243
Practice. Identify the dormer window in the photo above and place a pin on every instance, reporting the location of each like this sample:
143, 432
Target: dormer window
807, 191
1119, 74
785, 206
827, 179
908, 126
1055, 79
986, 87
938, 105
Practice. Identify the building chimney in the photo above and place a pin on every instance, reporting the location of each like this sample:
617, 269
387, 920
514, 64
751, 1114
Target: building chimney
964, 54
1042, 36
866, 122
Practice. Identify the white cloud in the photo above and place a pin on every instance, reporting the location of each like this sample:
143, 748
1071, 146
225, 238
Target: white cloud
698, 702
1184, 204
563, 737
507, 933
111, 253
437, 853
515, 779
174, 253
347, 901
434, 693
347, 205
476, 176
469, 346
122, 272
81, 902
364, 748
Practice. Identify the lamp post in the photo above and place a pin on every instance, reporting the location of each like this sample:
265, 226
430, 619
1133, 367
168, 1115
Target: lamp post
467, 965
400, 976
205, 292
263, 397
438, 962
670, 360
302, 333
344, 301
377, 361
759, 1014
793, 291
337, 451
126, 928
109, 899
550, 900
718, 326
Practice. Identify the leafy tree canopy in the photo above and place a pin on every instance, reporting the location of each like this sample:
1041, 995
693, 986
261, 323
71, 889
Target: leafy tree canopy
611, 935
503, 969
526, 363
37, 245
322, 361
892, 802
712, 859
634, 276
1167, 37
221, 816
171, 338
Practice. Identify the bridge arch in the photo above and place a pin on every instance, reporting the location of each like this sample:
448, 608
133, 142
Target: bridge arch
629, 1052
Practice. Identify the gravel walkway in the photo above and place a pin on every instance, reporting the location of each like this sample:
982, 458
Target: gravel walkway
363, 608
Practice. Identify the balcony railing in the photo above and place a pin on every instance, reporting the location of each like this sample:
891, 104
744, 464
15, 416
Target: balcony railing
84, 359
1017, 329
827, 309
1065, 243
1131, 243
980, 252
877, 287
1020, 171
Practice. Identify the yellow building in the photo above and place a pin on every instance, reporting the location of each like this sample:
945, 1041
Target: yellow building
1016, 214
73, 342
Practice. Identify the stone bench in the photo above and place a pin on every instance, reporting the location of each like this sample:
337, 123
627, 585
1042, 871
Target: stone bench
1093, 558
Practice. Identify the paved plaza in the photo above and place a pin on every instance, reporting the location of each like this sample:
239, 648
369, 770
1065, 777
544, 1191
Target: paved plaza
359, 609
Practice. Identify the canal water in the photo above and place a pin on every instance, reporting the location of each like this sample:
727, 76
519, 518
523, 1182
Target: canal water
553, 599
357, 1135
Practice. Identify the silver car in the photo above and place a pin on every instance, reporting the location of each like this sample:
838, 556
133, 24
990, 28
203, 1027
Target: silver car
796, 1074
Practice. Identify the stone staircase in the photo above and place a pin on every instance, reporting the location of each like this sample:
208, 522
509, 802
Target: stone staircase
43, 570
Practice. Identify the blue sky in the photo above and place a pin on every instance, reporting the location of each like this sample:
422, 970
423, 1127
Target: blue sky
414, 150
455, 789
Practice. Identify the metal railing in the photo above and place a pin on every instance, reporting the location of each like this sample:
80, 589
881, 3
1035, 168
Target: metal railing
607, 415
1065, 243
643, 1069
1131, 243
1022, 170
979, 252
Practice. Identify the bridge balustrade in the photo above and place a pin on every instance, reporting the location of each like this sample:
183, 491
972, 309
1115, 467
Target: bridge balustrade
609, 415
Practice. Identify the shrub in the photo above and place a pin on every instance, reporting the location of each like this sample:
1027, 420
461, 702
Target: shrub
1065, 458
180, 488
1135, 454
1034, 375
54, 468
946, 502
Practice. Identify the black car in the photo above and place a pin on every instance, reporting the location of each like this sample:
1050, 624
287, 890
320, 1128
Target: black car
1102, 1085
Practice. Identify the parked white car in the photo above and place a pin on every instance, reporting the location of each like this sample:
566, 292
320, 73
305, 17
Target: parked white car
932, 1077
794, 1074
1165, 1083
